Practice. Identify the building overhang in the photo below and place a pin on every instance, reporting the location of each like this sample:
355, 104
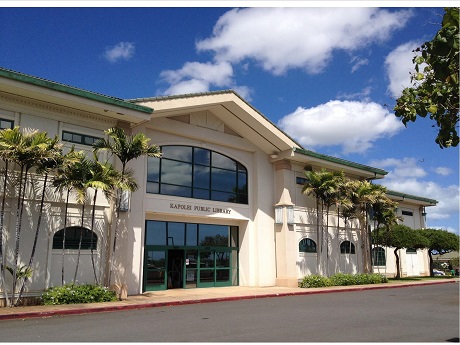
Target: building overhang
412, 199
307, 157
41, 90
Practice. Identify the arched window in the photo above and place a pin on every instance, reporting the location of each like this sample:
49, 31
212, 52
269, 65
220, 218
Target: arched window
378, 256
307, 245
195, 172
72, 238
346, 247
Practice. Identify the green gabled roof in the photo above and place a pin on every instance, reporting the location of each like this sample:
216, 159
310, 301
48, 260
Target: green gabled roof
340, 161
186, 95
413, 197
296, 149
25, 78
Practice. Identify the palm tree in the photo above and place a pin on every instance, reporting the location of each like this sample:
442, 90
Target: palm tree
6, 155
313, 188
68, 178
81, 188
384, 215
51, 159
324, 185
364, 195
28, 148
126, 149
345, 209
103, 177
329, 196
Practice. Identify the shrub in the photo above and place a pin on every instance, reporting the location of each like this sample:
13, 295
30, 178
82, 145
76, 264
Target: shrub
370, 278
342, 279
315, 281
72, 293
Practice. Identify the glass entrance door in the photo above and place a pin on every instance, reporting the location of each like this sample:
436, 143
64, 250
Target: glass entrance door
187, 255
214, 268
175, 268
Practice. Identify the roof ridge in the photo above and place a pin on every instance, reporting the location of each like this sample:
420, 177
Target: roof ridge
340, 161
411, 196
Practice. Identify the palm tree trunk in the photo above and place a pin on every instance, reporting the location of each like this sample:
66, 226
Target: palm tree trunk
338, 240
93, 216
17, 235
63, 235
37, 230
117, 222
327, 241
2, 218
318, 255
79, 243
115, 235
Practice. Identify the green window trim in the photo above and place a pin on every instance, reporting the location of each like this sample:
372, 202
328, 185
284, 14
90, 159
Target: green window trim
79, 138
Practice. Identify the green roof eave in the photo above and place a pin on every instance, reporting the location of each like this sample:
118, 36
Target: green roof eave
413, 197
340, 161
28, 79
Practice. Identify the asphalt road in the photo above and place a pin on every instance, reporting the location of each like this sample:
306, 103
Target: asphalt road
410, 314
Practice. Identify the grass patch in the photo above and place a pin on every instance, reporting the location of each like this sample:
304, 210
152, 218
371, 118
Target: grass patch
419, 278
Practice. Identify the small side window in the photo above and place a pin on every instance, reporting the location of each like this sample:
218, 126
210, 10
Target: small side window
78, 138
378, 256
346, 247
307, 245
72, 238
6, 124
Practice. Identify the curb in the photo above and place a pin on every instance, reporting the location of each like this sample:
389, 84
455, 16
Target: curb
108, 308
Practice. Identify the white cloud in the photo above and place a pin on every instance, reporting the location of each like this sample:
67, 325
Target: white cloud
402, 168
398, 66
353, 125
357, 63
362, 95
197, 77
404, 177
121, 51
301, 38
444, 171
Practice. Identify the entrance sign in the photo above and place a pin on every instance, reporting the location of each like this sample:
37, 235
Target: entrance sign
197, 208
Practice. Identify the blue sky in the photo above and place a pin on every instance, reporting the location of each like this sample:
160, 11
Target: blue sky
328, 76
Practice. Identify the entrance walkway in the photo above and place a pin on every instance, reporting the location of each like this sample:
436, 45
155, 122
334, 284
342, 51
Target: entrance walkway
193, 296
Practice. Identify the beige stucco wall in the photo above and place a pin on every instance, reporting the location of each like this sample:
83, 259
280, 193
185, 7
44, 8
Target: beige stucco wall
255, 221
47, 262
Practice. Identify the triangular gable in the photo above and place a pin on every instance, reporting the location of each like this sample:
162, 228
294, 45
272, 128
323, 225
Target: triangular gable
227, 109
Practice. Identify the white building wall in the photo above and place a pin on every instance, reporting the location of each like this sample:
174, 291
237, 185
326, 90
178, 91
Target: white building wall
47, 262
255, 221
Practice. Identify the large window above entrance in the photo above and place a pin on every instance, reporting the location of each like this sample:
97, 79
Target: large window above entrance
194, 172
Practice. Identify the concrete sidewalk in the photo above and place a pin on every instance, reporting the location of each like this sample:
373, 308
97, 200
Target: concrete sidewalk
193, 296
